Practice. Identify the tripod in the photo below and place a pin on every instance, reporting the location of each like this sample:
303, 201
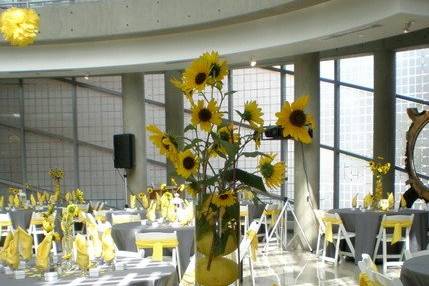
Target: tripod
283, 214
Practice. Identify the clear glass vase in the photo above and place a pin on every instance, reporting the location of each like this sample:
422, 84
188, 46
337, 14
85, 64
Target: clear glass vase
378, 192
217, 236
67, 252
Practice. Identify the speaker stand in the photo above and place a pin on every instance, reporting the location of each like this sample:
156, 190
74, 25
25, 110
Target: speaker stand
126, 186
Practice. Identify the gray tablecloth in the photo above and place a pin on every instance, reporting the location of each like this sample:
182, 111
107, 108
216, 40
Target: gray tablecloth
139, 272
21, 218
366, 225
124, 237
415, 271
109, 214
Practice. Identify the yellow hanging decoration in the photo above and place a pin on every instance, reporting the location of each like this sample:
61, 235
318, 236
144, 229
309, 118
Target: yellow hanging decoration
19, 26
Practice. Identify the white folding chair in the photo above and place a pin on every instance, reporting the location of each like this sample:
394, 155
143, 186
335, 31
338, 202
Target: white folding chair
329, 221
5, 224
319, 215
125, 218
270, 213
245, 245
244, 217
36, 229
368, 268
399, 222
168, 240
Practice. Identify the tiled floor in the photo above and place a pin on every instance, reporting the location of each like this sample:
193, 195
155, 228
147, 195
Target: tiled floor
299, 268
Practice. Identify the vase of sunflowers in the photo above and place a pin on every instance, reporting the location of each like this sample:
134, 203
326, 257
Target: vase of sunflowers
56, 175
216, 187
379, 168
69, 214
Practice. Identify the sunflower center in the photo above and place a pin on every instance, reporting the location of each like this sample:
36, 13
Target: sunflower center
298, 118
223, 197
267, 170
247, 115
215, 70
224, 136
205, 115
200, 78
188, 163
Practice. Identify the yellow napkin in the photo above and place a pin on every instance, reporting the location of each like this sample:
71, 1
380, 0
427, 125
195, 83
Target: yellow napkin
82, 257
16, 201
328, 227
354, 201
151, 215
10, 199
25, 243
1, 202
144, 200
132, 201
397, 228
33, 200
39, 197
42, 254
6, 244
12, 253
94, 239
158, 201
367, 201
364, 280
403, 202
391, 200
251, 235
45, 196
108, 246
171, 213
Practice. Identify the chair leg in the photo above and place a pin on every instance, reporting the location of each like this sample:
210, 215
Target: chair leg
350, 245
318, 243
324, 250
377, 244
337, 249
384, 253
179, 266
252, 276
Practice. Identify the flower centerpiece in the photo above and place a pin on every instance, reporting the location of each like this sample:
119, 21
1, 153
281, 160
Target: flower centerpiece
71, 212
56, 175
211, 137
379, 168
19, 26
43, 253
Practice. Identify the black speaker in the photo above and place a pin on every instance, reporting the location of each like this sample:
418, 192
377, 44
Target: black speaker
123, 150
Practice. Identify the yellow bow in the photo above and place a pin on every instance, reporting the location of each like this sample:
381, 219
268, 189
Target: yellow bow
33, 200
82, 257
42, 255
329, 221
364, 280
25, 243
108, 246
251, 235
157, 246
397, 228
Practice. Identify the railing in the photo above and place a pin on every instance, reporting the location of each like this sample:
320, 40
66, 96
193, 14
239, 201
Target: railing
37, 3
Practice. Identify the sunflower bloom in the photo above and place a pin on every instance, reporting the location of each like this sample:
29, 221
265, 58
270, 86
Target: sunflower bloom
225, 199
163, 142
197, 74
273, 174
253, 114
295, 121
206, 116
186, 90
218, 67
187, 164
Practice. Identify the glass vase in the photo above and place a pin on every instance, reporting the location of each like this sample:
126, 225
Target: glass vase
378, 193
67, 251
217, 233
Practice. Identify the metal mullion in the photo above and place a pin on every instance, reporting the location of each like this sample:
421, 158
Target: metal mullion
22, 130
346, 84
336, 134
416, 100
422, 176
75, 134
283, 143
230, 97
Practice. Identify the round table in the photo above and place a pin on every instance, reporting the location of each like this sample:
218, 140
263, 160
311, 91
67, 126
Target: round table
415, 272
142, 213
366, 225
124, 237
139, 272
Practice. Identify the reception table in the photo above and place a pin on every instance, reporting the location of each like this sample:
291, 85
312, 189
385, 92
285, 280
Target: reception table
415, 271
124, 237
138, 272
366, 225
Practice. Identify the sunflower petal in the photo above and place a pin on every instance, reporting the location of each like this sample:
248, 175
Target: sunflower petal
300, 103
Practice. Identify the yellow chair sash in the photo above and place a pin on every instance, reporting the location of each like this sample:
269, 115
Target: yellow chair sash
251, 235
329, 221
364, 280
397, 228
157, 246
4, 223
36, 221
273, 213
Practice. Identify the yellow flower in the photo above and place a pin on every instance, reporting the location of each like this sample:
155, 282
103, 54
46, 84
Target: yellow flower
218, 67
19, 26
149, 190
187, 164
205, 116
253, 114
187, 91
193, 189
227, 133
257, 136
163, 142
225, 199
196, 75
56, 174
294, 120
273, 174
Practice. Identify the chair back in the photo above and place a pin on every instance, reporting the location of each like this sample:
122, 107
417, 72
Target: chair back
395, 221
157, 241
125, 218
5, 220
320, 214
244, 211
248, 237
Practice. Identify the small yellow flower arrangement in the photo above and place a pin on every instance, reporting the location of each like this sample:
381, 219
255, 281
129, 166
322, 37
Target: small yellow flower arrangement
379, 168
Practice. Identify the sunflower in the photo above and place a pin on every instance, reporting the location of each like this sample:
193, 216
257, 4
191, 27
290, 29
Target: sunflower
205, 116
186, 90
196, 75
163, 141
257, 137
294, 120
225, 199
187, 164
218, 67
253, 114
273, 174
193, 189
227, 133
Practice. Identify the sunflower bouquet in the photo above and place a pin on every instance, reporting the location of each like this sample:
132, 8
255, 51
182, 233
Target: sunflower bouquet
56, 175
207, 158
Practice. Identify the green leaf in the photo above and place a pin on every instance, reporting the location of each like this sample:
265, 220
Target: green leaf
253, 154
239, 113
230, 92
189, 127
246, 178
230, 148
